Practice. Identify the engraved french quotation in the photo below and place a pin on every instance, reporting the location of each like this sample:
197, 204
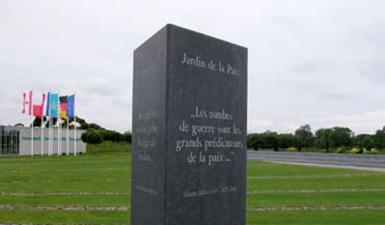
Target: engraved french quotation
207, 143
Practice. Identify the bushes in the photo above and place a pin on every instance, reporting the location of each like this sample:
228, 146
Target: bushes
342, 149
265, 140
92, 136
111, 135
126, 137
100, 140
354, 151
254, 141
292, 149
96, 136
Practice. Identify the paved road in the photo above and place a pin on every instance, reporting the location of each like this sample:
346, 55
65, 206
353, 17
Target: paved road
373, 161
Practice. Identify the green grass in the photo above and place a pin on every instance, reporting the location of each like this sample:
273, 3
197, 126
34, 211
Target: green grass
108, 147
277, 193
63, 217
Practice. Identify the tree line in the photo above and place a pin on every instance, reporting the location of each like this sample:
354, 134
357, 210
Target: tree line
96, 134
338, 139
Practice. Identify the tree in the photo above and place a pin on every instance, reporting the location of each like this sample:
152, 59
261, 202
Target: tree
379, 138
342, 136
366, 141
95, 126
92, 136
111, 135
126, 137
254, 141
324, 138
287, 140
270, 139
83, 124
304, 137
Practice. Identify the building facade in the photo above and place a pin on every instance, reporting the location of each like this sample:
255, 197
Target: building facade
47, 141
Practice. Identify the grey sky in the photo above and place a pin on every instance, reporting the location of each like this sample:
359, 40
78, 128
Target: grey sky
320, 62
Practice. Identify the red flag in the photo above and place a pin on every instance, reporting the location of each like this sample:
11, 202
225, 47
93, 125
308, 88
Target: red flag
38, 109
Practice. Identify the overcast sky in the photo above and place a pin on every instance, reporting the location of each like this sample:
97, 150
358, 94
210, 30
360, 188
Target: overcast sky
320, 62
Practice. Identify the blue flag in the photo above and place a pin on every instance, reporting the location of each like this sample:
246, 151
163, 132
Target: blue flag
47, 109
54, 105
71, 106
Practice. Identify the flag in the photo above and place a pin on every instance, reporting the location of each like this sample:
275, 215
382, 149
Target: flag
63, 107
27, 102
71, 106
47, 109
38, 109
54, 105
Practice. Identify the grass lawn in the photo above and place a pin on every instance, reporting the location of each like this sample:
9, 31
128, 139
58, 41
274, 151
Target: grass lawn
94, 189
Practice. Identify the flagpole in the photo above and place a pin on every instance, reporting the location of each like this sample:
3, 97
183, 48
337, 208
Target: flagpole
52, 134
31, 114
71, 114
32, 138
75, 139
42, 124
58, 135
47, 126
58, 131
41, 135
50, 131
68, 143
60, 139
47, 114
49, 135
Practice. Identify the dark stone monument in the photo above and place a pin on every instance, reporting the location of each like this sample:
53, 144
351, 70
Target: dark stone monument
189, 130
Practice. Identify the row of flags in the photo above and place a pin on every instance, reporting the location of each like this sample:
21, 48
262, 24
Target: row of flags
56, 106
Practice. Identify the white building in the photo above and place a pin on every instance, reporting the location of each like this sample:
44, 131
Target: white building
53, 141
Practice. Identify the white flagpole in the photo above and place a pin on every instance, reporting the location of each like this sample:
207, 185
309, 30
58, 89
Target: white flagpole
41, 135
58, 132
75, 139
61, 136
50, 136
32, 138
58, 135
68, 143
48, 113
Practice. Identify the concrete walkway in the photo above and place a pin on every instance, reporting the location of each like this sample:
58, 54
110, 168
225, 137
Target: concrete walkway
361, 162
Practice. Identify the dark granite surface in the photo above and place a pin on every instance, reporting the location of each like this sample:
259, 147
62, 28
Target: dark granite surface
189, 130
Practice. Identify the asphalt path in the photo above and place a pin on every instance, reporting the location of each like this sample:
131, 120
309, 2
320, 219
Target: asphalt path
329, 159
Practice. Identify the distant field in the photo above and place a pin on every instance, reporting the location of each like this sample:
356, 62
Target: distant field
94, 189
